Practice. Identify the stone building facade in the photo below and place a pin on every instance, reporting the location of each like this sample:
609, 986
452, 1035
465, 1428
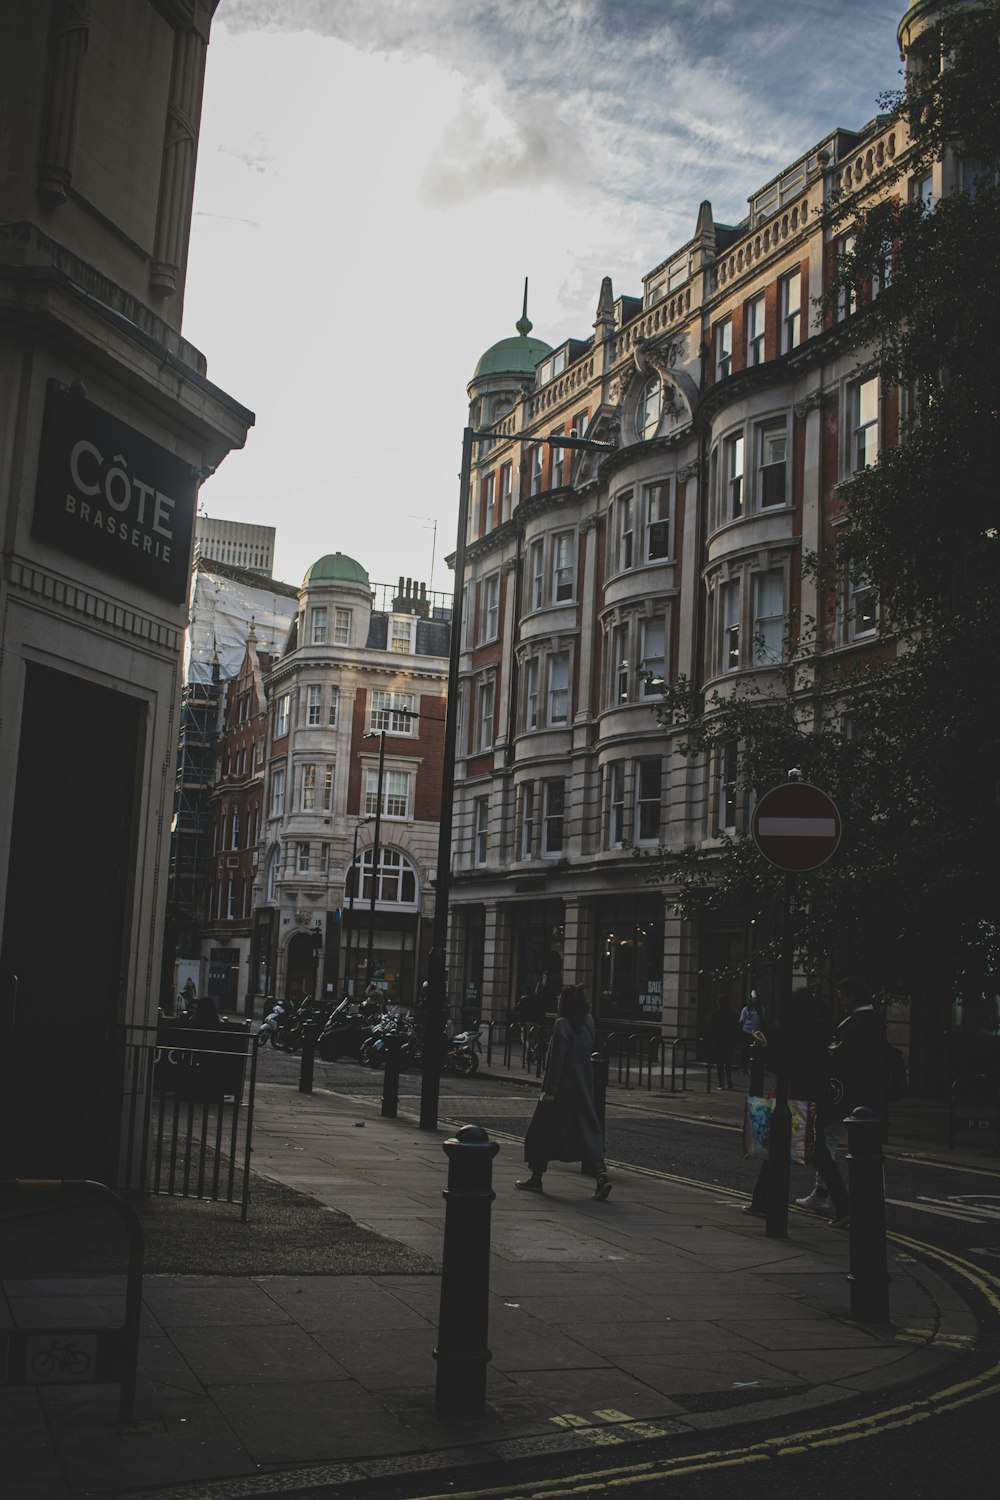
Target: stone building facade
731, 410
354, 754
108, 424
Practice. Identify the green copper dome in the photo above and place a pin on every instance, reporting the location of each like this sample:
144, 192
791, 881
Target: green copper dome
337, 567
514, 356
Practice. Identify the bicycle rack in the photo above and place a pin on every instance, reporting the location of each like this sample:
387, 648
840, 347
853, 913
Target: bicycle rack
94, 1354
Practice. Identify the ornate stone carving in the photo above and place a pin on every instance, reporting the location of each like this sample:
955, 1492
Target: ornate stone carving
177, 170
812, 402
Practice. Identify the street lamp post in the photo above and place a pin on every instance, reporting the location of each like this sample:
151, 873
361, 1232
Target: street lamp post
437, 968
370, 957
350, 906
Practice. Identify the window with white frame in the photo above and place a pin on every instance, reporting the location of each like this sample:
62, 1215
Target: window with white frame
302, 858
278, 792
553, 815
648, 799
536, 460
729, 626
314, 705
319, 620
506, 490
271, 881
282, 712
618, 664
308, 801
395, 793
862, 424
403, 635
656, 509
790, 310
490, 622
467, 619
392, 713
772, 451
527, 820
532, 670
536, 573
395, 878
342, 627
862, 607
652, 656
489, 502
922, 190
616, 804
558, 463
847, 296
755, 331
563, 565
481, 818
725, 798
649, 409
324, 859
230, 898
623, 532
723, 348
334, 706
732, 460
484, 714
559, 687
768, 616
234, 829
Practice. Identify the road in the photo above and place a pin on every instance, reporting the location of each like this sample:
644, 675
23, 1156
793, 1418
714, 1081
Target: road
923, 1442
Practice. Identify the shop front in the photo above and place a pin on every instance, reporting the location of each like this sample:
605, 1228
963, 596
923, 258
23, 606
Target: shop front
629, 930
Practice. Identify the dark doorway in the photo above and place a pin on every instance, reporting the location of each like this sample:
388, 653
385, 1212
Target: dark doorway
69, 895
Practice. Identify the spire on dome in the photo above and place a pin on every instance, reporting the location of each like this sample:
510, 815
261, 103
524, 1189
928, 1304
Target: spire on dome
524, 324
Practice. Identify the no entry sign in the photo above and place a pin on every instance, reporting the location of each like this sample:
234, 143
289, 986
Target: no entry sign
796, 826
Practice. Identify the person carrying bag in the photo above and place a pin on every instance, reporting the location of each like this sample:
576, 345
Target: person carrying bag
565, 1126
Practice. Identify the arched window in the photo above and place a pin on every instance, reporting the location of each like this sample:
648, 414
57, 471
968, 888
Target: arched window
649, 408
396, 879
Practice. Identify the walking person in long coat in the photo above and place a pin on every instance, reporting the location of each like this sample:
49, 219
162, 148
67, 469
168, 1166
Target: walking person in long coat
565, 1126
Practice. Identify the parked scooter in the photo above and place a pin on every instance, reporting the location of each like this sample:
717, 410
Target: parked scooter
275, 1025
462, 1052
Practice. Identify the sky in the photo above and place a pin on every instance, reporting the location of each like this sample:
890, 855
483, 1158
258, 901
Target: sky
376, 178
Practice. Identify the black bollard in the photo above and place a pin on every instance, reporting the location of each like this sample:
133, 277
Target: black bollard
310, 1032
462, 1353
869, 1274
390, 1078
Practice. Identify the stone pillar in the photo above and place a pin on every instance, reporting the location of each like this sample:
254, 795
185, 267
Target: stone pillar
579, 957
680, 977
180, 147
67, 46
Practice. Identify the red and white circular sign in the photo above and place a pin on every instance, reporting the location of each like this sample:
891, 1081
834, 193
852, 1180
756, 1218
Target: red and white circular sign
796, 826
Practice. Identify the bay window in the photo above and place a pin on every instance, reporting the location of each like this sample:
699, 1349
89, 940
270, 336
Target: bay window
553, 816
768, 615
772, 441
559, 687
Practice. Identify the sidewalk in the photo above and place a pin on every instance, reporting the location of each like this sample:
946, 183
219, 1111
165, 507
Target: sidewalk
664, 1310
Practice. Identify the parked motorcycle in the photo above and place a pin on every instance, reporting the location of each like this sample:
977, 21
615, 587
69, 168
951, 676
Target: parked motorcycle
462, 1052
390, 1030
348, 1028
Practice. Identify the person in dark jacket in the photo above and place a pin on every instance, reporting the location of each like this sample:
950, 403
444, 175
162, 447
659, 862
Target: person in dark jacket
565, 1126
723, 1034
802, 1045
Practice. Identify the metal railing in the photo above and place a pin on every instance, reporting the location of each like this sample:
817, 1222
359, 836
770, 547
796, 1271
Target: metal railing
634, 1058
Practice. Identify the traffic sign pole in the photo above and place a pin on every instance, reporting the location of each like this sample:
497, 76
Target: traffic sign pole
797, 827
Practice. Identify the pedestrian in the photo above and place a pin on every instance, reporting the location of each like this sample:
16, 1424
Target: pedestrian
723, 1034
565, 1126
750, 1019
801, 1046
205, 1014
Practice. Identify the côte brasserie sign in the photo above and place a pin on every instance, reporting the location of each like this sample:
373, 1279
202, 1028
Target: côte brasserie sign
112, 496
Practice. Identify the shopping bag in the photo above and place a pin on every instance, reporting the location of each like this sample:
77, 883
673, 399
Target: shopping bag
757, 1128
